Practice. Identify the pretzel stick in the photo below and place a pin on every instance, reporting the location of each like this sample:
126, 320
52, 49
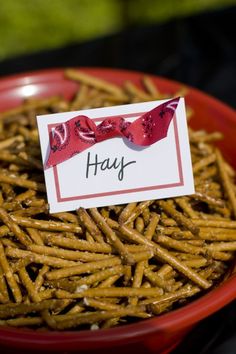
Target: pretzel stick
9, 222
94, 82
139, 224
217, 231
112, 223
83, 268
83, 318
196, 242
35, 236
23, 322
139, 269
185, 292
1, 199
126, 212
77, 244
74, 285
16, 159
67, 217
46, 225
143, 255
219, 255
146, 216
231, 224
137, 279
69, 255
105, 212
27, 282
21, 182
40, 277
150, 230
217, 237
3, 287
228, 186
32, 208
75, 309
90, 225
222, 246
178, 245
10, 141
100, 305
9, 275
208, 234
89, 238
80, 98
109, 281
195, 263
12, 309
38, 258
151, 87
111, 292
207, 137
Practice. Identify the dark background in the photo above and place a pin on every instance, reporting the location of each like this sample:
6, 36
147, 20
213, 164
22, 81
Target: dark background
199, 51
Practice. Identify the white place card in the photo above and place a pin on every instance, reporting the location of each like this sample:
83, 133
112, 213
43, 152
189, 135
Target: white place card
116, 171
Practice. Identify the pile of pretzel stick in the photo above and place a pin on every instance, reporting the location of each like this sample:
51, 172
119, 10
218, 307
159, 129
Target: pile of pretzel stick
108, 266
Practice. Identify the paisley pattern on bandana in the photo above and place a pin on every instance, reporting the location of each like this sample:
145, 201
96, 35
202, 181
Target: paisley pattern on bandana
84, 133
81, 132
60, 138
107, 126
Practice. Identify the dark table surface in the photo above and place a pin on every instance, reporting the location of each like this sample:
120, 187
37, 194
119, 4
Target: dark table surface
199, 51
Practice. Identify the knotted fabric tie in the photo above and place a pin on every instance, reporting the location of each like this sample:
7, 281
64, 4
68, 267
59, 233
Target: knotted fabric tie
80, 133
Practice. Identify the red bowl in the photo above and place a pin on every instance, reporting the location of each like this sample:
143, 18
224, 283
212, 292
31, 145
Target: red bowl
159, 334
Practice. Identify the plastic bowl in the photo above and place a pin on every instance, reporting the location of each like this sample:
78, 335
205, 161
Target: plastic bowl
159, 334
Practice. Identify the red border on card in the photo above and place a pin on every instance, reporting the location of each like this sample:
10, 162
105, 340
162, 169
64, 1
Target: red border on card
123, 191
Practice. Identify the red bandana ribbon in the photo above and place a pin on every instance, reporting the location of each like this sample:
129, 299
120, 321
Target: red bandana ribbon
80, 133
